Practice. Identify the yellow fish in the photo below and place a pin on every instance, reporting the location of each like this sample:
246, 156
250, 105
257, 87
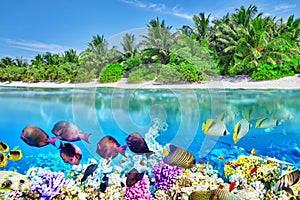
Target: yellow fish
180, 158
214, 127
4, 147
240, 129
3, 160
15, 155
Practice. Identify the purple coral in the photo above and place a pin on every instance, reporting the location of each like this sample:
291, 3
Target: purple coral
139, 191
165, 175
50, 184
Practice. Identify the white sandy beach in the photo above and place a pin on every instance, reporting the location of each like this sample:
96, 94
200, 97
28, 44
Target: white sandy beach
292, 82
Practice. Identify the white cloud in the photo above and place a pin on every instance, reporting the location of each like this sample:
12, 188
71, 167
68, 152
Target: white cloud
158, 8
285, 7
36, 46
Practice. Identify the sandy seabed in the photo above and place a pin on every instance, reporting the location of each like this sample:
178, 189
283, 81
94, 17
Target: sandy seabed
291, 82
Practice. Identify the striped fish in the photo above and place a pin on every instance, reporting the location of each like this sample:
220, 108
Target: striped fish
180, 158
217, 194
286, 181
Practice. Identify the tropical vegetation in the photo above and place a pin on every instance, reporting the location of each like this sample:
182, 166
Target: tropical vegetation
244, 42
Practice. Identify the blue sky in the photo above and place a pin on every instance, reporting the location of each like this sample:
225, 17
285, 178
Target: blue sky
31, 27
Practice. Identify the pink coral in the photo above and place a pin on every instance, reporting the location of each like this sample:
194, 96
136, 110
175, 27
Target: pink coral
139, 191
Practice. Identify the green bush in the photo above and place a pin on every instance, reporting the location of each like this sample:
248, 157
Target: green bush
188, 71
111, 73
169, 75
131, 62
271, 71
84, 75
137, 76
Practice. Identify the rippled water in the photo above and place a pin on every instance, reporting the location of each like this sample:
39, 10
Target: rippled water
119, 112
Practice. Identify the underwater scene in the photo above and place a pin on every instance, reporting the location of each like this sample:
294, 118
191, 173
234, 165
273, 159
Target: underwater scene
110, 143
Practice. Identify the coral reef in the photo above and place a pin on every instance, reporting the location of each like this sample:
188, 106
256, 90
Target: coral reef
18, 181
165, 175
50, 184
139, 191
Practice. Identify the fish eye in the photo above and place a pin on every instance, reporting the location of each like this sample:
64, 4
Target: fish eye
22, 181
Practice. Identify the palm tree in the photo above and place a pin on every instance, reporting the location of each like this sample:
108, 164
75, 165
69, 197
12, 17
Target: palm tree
98, 54
71, 56
128, 44
159, 40
202, 24
20, 62
7, 62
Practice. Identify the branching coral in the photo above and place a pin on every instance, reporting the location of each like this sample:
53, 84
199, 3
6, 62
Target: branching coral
165, 175
50, 184
139, 191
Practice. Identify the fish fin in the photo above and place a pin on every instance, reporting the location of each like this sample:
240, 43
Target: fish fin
172, 148
167, 160
289, 190
149, 154
235, 132
122, 150
52, 140
207, 125
221, 116
85, 137
165, 152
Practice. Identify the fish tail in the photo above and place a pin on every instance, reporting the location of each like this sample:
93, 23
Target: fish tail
52, 140
122, 150
204, 128
85, 137
149, 154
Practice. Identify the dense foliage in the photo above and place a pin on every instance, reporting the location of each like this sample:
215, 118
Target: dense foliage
243, 42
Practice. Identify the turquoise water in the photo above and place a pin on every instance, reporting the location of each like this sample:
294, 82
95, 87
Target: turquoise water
119, 112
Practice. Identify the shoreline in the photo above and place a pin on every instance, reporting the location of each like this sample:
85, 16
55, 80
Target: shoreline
287, 83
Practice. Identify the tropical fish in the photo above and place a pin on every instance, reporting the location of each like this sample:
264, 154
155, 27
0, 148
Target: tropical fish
180, 158
282, 114
133, 177
240, 129
104, 183
137, 144
232, 186
228, 116
4, 147
3, 160
254, 113
253, 151
214, 127
6, 185
267, 122
217, 194
70, 153
69, 132
15, 155
35, 136
108, 148
89, 171
286, 181
253, 170
220, 158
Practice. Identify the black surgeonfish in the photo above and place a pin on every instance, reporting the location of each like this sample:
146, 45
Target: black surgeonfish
89, 171
286, 181
180, 158
104, 183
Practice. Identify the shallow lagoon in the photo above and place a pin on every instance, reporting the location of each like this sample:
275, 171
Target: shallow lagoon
119, 112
